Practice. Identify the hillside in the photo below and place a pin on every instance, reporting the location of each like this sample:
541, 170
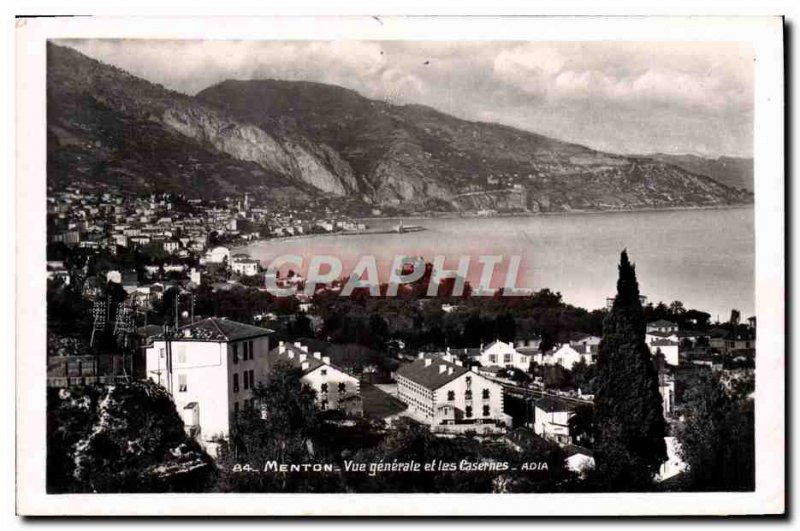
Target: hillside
736, 172
107, 126
292, 141
415, 154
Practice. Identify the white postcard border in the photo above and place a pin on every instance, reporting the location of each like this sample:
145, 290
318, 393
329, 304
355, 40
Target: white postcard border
765, 34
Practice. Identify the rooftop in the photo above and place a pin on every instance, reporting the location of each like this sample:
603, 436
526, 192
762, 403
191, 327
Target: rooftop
551, 404
431, 376
661, 322
217, 329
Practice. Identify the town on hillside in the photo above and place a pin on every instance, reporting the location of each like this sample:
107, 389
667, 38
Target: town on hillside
147, 291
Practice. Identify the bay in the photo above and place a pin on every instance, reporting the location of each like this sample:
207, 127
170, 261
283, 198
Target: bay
702, 257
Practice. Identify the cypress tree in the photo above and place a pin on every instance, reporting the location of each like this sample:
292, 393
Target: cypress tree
629, 423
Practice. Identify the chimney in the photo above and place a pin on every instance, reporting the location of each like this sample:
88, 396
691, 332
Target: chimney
326, 360
428, 362
474, 368
302, 357
318, 355
297, 344
304, 365
442, 369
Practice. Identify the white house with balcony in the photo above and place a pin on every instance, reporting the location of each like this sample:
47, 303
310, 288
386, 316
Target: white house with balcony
335, 389
210, 368
442, 393
502, 354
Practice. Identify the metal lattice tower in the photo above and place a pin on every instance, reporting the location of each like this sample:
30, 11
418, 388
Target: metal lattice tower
99, 315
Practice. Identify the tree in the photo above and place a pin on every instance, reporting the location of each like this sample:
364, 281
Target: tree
676, 308
717, 439
629, 422
581, 425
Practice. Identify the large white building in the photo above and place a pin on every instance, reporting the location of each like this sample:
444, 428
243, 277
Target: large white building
211, 368
335, 388
442, 393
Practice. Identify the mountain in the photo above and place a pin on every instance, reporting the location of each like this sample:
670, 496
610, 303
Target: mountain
413, 154
294, 141
736, 172
107, 126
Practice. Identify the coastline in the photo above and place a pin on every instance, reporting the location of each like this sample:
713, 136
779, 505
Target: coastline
450, 215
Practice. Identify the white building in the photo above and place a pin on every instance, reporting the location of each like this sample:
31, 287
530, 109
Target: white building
210, 367
447, 396
674, 464
501, 354
335, 388
551, 419
568, 355
580, 460
217, 255
662, 326
668, 348
244, 265
666, 387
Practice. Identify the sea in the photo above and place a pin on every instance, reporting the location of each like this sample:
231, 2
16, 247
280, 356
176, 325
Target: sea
704, 258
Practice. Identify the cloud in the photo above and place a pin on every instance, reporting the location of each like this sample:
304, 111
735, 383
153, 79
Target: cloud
703, 75
619, 96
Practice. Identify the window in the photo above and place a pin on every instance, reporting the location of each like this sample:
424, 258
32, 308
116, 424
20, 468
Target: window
181, 354
162, 352
246, 380
236, 382
235, 353
323, 405
250, 348
468, 394
181, 383
468, 411
342, 387
492, 358
451, 395
252, 379
468, 381
485, 411
236, 408
506, 358
323, 388
485, 393
323, 372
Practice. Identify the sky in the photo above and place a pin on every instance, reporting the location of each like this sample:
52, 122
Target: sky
615, 96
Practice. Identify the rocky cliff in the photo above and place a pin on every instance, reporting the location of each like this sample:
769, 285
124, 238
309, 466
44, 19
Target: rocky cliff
295, 140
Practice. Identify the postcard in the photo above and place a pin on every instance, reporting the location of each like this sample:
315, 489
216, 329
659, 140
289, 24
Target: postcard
332, 266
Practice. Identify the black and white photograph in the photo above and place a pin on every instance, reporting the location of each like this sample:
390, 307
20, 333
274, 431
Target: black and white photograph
370, 265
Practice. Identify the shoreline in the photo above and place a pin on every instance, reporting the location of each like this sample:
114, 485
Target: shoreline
450, 215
